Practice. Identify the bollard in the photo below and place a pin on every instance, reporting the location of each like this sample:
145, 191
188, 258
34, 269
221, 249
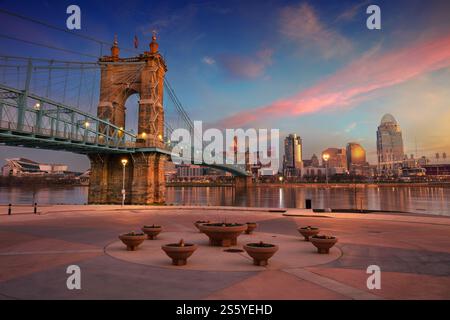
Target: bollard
308, 204
35, 208
9, 209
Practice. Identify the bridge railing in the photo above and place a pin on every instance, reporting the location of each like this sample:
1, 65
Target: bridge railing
23, 113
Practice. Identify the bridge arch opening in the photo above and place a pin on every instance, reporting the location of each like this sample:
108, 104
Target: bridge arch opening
132, 111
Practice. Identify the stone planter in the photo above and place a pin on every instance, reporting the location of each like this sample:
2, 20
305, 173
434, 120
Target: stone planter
260, 252
179, 252
151, 231
250, 227
132, 240
323, 243
222, 234
199, 222
308, 232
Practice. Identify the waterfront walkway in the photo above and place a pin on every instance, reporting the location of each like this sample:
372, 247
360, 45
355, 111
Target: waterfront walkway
413, 253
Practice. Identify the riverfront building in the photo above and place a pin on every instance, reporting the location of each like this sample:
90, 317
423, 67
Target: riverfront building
389, 146
24, 167
356, 160
337, 158
293, 163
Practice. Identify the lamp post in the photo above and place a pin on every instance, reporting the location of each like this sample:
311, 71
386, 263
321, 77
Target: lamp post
325, 158
124, 164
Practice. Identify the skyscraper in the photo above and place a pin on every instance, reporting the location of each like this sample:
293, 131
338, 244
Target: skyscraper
389, 146
293, 153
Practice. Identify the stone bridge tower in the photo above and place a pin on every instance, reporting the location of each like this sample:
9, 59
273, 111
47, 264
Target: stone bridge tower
144, 176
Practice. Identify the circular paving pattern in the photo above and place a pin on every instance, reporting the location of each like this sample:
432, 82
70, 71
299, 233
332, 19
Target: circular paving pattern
293, 252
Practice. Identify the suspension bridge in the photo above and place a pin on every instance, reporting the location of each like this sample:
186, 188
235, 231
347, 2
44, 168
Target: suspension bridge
50, 104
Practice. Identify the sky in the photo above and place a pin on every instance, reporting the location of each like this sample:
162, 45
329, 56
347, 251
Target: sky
306, 67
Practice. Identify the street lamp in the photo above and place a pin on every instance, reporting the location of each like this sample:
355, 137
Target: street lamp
325, 158
124, 164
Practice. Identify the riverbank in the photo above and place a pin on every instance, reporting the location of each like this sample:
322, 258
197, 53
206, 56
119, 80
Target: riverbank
412, 253
43, 181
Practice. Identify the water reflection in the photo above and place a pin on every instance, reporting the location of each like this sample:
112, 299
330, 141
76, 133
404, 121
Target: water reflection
410, 199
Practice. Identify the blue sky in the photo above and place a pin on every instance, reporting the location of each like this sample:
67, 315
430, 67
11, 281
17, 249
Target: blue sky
229, 57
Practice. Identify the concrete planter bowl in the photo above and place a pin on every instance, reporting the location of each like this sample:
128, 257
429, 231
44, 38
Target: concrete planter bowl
179, 252
151, 231
250, 227
260, 252
308, 232
132, 240
323, 243
223, 234
200, 222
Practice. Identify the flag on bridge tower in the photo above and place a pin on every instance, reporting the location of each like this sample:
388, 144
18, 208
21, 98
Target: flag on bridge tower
136, 42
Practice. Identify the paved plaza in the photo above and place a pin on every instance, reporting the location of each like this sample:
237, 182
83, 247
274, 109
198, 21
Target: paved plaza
413, 253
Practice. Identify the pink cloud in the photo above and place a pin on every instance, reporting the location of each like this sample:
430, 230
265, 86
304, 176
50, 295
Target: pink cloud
301, 24
350, 13
247, 67
372, 71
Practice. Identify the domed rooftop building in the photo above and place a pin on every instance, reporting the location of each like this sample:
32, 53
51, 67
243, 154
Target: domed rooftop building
388, 118
356, 159
389, 146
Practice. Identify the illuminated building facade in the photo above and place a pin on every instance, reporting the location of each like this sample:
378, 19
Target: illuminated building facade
389, 146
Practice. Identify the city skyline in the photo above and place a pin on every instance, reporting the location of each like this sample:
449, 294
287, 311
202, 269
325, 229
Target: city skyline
296, 51
232, 158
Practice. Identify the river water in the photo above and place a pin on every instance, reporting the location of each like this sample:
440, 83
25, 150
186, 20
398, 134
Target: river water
422, 200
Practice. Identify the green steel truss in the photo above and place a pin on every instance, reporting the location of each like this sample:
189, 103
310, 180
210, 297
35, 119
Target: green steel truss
32, 121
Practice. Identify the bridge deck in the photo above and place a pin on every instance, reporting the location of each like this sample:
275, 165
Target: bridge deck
28, 120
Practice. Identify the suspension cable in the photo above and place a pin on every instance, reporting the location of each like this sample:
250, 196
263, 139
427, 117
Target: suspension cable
46, 46
48, 25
